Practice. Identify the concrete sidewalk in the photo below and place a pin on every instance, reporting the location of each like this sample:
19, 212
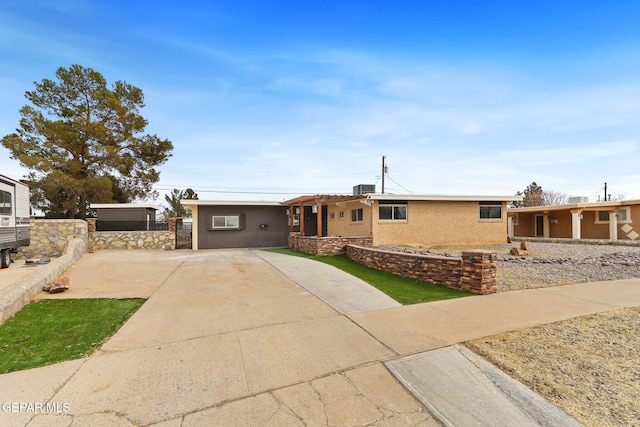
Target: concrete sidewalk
227, 339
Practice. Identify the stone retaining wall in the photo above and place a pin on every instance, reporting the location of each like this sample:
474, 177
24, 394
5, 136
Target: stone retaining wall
101, 240
475, 271
50, 237
21, 293
325, 246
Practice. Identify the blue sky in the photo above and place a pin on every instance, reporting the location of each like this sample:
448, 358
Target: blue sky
268, 100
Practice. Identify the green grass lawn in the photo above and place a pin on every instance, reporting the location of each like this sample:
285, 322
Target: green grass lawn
51, 331
402, 289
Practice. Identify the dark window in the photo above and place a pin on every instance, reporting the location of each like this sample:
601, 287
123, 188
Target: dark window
490, 210
603, 216
5, 203
392, 212
357, 215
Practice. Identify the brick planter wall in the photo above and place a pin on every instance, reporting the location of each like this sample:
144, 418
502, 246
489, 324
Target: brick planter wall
325, 246
475, 271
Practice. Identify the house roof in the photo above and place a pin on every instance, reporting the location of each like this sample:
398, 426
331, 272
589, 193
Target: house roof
320, 198
444, 197
189, 202
122, 205
593, 206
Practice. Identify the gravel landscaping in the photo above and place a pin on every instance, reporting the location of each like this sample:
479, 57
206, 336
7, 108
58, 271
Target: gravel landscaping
588, 366
552, 264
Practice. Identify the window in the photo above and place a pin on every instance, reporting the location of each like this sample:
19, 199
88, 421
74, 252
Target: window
392, 212
357, 215
602, 217
226, 221
5, 203
332, 215
296, 220
490, 210
341, 214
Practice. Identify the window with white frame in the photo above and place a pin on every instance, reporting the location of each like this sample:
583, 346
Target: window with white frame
296, 220
357, 215
225, 221
624, 216
490, 210
392, 212
341, 214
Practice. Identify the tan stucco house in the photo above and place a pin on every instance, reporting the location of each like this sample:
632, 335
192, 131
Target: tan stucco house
616, 220
411, 220
387, 219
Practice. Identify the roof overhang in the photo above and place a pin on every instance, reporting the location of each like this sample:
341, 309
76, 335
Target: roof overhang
186, 202
320, 199
444, 197
122, 206
593, 206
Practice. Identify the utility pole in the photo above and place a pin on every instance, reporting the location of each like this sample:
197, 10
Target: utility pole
384, 168
605, 191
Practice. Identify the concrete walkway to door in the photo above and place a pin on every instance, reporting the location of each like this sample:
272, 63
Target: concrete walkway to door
227, 339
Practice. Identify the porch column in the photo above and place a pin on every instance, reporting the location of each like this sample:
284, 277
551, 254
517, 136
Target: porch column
546, 229
613, 224
319, 220
576, 223
301, 220
291, 208
510, 226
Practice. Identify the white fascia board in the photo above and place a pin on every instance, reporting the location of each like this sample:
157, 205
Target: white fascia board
122, 205
444, 197
228, 203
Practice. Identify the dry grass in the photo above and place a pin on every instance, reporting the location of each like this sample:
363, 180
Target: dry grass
588, 366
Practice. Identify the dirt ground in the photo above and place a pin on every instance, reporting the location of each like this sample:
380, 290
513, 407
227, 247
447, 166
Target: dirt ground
588, 366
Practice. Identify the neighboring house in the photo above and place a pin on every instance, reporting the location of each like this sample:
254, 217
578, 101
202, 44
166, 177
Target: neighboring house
124, 216
237, 224
411, 220
582, 220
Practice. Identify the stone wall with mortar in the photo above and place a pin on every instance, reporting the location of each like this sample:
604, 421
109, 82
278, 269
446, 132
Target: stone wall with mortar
50, 237
101, 240
325, 246
21, 293
472, 272
479, 269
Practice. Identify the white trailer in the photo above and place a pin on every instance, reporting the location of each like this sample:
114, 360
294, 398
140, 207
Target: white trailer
14, 218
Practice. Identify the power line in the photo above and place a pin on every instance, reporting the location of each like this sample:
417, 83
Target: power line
401, 186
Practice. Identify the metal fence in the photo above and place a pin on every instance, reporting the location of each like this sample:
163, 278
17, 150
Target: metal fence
131, 226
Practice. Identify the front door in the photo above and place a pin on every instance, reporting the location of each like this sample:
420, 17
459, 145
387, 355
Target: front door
539, 225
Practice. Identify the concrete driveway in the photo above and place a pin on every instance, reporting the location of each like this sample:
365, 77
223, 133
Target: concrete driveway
224, 339
239, 337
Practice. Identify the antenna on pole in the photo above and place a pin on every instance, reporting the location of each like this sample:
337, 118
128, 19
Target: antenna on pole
384, 170
605, 191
